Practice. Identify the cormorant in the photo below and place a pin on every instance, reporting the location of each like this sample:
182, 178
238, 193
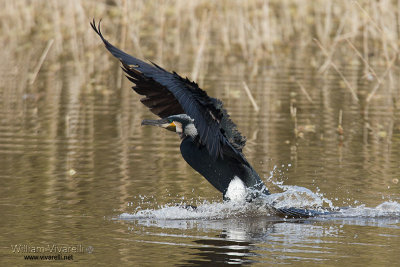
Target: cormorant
211, 143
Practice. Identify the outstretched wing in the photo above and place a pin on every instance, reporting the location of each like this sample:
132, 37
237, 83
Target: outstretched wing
157, 98
168, 94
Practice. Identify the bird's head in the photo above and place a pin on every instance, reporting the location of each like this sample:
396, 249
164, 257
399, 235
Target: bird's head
182, 124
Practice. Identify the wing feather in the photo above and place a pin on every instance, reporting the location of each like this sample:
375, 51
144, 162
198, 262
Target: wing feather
169, 94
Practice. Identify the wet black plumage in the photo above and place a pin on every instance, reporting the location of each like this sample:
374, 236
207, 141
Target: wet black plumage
170, 94
216, 151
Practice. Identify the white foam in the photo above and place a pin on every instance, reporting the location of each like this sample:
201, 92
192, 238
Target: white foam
299, 197
293, 196
205, 210
388, 209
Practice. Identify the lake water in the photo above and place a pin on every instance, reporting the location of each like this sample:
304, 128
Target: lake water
80, 177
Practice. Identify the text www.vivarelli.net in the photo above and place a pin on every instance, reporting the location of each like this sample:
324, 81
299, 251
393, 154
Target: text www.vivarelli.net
49, 257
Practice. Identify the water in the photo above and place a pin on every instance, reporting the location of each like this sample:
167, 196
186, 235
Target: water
77, 169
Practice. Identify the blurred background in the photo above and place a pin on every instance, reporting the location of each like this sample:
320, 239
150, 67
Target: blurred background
313, 85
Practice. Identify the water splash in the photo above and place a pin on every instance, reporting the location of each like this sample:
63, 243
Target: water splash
387, 209
299, 197
205, 210
292, 196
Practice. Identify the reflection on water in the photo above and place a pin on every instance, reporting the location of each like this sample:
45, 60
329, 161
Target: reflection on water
74, 158
268, 239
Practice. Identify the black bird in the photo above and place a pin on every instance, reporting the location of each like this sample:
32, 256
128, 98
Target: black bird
211, 143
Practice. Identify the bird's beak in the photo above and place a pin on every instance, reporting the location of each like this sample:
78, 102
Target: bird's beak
161, 123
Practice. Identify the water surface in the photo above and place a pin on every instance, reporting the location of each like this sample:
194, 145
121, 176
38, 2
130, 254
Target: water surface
78, 169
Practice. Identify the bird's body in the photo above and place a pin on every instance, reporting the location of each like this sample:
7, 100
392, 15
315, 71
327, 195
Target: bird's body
221, 171
210, 141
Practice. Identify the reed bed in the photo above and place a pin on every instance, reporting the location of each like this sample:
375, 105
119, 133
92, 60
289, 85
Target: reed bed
241, 38
190, 33
244, 39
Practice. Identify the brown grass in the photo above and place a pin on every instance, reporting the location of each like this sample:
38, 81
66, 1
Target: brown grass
179, 32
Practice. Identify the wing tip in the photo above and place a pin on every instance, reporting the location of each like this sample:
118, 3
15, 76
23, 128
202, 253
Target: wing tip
97, 28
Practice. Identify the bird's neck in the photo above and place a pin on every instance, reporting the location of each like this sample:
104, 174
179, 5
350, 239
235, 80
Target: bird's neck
190, 130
